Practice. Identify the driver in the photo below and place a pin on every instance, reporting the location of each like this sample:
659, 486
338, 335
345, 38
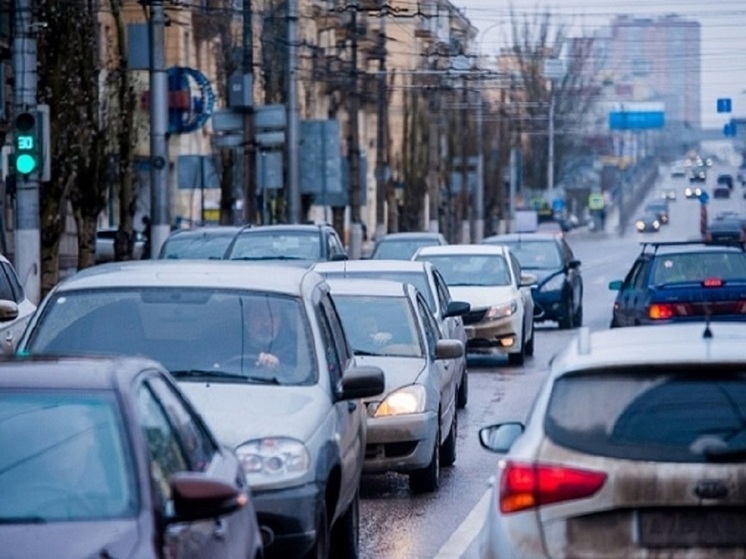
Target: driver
268, 335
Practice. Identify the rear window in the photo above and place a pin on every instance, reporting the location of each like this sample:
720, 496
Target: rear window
697, 266
419, 280
672, 416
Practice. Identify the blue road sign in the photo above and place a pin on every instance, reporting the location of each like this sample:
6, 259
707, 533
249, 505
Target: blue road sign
729, 129
636, 120
724, 105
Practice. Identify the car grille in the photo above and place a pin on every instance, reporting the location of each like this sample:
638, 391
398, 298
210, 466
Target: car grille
472, 317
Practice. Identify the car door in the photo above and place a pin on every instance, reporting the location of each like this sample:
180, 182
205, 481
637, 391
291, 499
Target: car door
12, 290
350, 426
527, 297
178, 441
630, 294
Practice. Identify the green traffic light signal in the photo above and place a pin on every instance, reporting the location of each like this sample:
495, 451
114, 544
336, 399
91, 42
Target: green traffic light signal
26, 145
25, 164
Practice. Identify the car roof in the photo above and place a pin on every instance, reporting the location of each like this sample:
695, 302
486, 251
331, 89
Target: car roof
194, 273
376, 287
372, 266
684, 247
299, 227
660, 344
206, 231
457, 250
72, 372
412, 235
496, 239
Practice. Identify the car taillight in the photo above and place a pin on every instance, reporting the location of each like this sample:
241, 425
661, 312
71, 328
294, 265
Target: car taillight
712, 282
526, 486
661, 311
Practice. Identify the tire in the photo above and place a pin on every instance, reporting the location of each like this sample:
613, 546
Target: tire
320, 549
565, 321
518, 359
530, 342
427, 479
578, 318
448, 448
462, 394
346, 532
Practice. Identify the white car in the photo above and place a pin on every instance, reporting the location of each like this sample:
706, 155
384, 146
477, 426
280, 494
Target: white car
15, 307
490, 279
634, 447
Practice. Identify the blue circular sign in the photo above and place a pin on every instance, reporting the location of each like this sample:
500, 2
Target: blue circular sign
196, 102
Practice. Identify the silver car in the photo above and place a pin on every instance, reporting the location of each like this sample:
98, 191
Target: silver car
260, 351
15, 307
635, 448
412, 425
448, 313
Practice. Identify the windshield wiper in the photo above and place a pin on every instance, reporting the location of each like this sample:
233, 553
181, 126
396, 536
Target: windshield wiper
268, 258
725, 454
365, 353
23, 520
262, 380
211, 373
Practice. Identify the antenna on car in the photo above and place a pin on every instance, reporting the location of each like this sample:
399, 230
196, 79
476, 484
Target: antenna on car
707, 334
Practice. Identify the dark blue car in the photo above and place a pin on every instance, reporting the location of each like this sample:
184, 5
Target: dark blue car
682, 282
558, 294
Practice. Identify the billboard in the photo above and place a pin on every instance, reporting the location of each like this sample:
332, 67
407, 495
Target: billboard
637, 115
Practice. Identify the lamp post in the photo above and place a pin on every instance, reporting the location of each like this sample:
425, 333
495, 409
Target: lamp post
554, 69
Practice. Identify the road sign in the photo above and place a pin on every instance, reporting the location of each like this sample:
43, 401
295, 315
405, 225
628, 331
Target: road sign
724, 105
729, 129
596, 201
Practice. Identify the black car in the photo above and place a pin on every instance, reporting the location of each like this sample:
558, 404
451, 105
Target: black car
558, 294
295, 244
658, 208
682, 281
648, 223
199, 243
104, 457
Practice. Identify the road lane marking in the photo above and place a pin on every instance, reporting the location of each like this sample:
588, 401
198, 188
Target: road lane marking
461, 539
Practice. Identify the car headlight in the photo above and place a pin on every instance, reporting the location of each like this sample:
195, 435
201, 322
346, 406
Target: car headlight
555, 283
501, 311
274, 457
640, 225
656, 224
410, 399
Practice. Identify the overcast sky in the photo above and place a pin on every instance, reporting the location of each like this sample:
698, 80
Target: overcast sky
723, 36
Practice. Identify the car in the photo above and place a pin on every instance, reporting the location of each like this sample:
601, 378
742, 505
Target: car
104, 248
447, 312
490, 279
721, 191
260, 351
295, 244
698, 174
658, 208
413, 424
401, 246
725, 180
648, 223
633, 448
668, 194
209, 242
692, 192
678, 171
106, 457
727, 229
15, 306
682, 281
558, 293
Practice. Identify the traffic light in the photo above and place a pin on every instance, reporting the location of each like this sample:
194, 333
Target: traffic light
26, 136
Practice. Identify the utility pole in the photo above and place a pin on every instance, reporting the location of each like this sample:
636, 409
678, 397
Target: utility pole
158, 129
293, 191
247, 85
433, 149
381, 126
27, 234
356, 231
550, 155
479, 188
465, 205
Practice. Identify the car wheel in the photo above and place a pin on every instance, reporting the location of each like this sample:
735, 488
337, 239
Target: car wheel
346, 532
518, 358
462, 395
565, 321
578, 318
320, 548
614, 323
427, 479
530, 342
448, 448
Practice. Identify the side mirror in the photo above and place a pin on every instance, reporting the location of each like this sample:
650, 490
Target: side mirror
338, 257
573, 264
456, 308
527, 280
500, 437
197, 496
616, 285
448, 349
361, 381
8, 310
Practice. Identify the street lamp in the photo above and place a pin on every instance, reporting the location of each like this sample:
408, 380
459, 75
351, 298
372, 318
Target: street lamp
554, 69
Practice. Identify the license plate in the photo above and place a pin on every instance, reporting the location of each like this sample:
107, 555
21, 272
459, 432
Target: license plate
700, 527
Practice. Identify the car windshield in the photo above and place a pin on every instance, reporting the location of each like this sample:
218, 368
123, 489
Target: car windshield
696, 414
196, 247
471, 269
535, 255
64, 458
698, 266
277, 245
419, 280
191, 331
387, 326
399, 249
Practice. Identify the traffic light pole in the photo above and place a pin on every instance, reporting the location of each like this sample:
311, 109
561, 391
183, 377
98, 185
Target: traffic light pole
27, 236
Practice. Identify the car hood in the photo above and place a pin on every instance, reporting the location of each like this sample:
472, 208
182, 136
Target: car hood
397, 371
73, 540
241, 412
482, 297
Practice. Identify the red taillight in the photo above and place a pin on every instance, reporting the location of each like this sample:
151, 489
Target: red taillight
661, 311
713, 282
525, 486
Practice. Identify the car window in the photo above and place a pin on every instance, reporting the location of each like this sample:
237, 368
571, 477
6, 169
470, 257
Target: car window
400, 249
276, 245
432, 332
516, 267
197, 444
535, 255
640, 278
471, 269
418, 279
444, 296
699, 266
333, 359
10, 288
633, 275
202, 247
65, 457
609, 413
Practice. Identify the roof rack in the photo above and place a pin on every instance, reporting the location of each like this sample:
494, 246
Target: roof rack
657, 244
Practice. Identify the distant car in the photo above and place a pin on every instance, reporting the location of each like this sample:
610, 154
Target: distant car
668, 194
633, 448
15, 307
491, 280
725, 180
648, 223
260, 351
447, 312
295, 244
692, 192
721, 191
558, 293
104, 249
402, 246
413, 424
729, 229
698, 174
687, 281
660, 209
105, 457
199, 243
